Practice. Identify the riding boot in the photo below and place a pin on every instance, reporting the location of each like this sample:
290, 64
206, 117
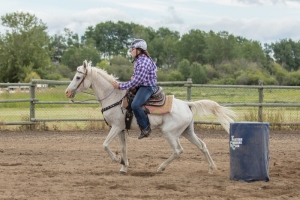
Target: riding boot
145, 133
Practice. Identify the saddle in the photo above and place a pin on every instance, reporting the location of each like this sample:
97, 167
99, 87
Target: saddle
158, 98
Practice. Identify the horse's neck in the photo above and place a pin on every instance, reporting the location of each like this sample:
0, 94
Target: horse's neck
105, 92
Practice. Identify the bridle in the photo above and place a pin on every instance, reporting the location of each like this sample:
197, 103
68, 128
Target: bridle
82, 82
99, 100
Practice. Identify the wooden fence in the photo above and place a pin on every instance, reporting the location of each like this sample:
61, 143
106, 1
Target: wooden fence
187, 84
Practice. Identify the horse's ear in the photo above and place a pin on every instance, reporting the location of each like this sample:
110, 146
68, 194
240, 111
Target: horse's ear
84, 64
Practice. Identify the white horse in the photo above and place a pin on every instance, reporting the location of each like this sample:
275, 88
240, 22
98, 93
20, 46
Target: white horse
179, 122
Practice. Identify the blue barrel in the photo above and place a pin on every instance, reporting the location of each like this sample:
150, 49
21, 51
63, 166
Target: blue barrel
249, 151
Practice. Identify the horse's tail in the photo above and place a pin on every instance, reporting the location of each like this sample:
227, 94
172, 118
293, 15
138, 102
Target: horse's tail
205, 107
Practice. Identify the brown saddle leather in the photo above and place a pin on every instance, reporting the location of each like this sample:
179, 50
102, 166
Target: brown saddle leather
158, 98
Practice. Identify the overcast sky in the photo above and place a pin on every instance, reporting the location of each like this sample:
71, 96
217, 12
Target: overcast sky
263, 20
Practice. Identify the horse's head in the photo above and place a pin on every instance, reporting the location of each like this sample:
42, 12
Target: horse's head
81, 81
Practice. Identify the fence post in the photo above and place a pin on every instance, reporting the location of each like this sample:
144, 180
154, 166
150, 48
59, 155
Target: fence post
260, 100
189, 89
32, 97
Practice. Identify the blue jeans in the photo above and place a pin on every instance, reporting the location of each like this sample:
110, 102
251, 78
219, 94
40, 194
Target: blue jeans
142, 95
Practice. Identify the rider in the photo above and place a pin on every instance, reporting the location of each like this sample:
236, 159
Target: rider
144, 77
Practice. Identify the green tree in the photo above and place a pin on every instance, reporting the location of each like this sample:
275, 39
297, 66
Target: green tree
293, 78
280, 73
22, 48
220, 47
63, 70
59, 43
198, 73
57, 47
184, 67
192, 46
110, 38
287, 54
175, 76
253, 52
146, 33
210, 72
74, 56
104, 64
165, 51
121, 67
253, 74
31, 75
162, 75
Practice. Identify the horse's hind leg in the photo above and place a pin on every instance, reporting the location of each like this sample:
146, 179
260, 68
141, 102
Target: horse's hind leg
177, 150
192, 137
124, 159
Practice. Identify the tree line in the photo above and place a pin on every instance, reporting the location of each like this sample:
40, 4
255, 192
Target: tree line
28, 51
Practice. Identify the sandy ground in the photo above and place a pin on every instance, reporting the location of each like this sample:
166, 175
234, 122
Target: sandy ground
73, 165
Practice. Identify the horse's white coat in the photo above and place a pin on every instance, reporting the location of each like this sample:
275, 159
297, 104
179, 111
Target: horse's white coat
179, 122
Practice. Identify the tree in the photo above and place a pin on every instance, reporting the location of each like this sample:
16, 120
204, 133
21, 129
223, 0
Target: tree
164, 47
74, 56
121, 67
59, 43
287, 54
293, 78
22, 48
280, 73
175, 76
220, 47
184, 67
198, 74
146, 33
104, 64
30, 76
110, 38
252, 51
192, 46
63, 70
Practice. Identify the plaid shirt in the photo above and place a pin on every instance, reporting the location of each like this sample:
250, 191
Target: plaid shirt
144, 74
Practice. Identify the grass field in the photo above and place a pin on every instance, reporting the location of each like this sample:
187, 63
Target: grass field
19, 111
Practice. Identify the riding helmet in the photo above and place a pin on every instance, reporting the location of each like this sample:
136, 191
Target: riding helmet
139, 43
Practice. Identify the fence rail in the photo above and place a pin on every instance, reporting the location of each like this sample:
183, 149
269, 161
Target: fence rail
33, 101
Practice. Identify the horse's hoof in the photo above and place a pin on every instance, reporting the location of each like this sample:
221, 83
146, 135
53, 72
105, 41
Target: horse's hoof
212, 170
122, 172
160, 170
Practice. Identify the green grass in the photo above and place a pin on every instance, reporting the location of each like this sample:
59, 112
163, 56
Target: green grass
19, 111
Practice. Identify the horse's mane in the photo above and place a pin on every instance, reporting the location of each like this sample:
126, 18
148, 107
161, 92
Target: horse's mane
110, 78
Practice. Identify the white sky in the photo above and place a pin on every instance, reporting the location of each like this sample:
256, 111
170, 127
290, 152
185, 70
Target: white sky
263, 20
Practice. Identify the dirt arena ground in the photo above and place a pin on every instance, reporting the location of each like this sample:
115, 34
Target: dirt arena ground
73, 165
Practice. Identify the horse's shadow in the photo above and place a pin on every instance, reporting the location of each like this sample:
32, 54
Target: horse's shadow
143, 174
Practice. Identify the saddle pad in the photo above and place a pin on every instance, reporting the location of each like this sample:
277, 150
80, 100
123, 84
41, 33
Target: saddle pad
158, 110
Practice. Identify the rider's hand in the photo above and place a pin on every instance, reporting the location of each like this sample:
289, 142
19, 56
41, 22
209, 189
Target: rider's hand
116, 84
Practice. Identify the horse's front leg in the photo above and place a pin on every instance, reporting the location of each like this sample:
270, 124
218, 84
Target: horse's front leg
124, 159
114, 131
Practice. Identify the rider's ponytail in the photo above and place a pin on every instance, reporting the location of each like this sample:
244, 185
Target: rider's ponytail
142, 52
145, 52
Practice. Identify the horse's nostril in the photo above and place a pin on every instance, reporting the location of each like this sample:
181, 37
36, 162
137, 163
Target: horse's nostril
68, 93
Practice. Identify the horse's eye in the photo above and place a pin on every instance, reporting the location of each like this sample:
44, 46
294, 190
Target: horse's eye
78, 77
